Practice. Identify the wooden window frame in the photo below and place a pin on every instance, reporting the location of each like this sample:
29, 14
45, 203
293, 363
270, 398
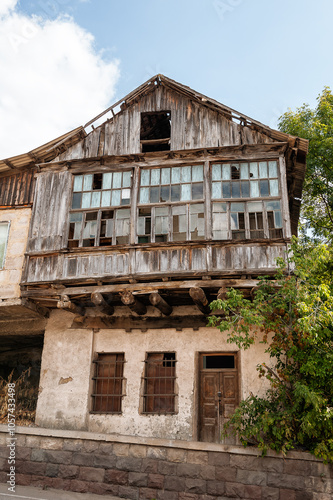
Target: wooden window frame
114, 397
163, 143
5, 244
155, 400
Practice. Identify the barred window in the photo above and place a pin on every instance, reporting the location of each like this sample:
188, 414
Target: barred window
159, 383
108, 383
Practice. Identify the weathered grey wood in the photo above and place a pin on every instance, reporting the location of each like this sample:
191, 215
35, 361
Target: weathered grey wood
65, 303
284, 197
128, 299
104, 306
157, 301
199, 298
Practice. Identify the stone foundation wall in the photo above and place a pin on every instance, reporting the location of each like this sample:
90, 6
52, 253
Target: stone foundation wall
144, 468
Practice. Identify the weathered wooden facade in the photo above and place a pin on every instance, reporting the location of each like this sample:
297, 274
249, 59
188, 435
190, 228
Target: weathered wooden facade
135, 227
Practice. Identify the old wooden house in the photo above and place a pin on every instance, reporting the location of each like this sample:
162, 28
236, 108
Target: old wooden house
134, 228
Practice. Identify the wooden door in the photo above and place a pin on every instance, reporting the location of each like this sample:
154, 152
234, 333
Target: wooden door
218, 395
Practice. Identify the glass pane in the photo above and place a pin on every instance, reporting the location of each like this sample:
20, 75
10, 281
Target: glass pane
234, 221
197, 208
274, 187
96, 199
217, 190
165, 193
254, 206
122, 227
144, 195
237, 207
175, 193
179, 210
127, 179
254, 189
254, 170
235, 189
185, 192
272, 168
87, 183
197, 191
165, 178
226, 172
216, 172
116, 181
154, 194
245, 189
244, 171
78, 179
197, 173
273, 205
125, 196
186, 174
197, 223
278, 219
106, 199
123, 213
161, 211
86, 199
77, 230
263, 169
76, 202
175, 175
115, 197
161, 225
179, 228
109, 228
220, 221
141, 225
144, 181
264, 190
219, 207
220, 235
90, 229
72, 218
155, 177
107, 180
226, 189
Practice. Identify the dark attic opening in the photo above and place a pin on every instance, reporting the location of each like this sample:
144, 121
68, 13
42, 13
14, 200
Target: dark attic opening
155, 131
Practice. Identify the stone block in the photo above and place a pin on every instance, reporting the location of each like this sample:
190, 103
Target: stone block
226, 473
196, 486
138, 451
58, 457
321, 496
40, 481
114, 476
197, 457
33, 468
156, 481
33, 441
215, 488
23, 479
120, 449
167, 495
269, 464
103, 489
150, 465
167, 468
20, 441
218, 458
297, 467
156, 453
68, 471
48, 443
285, 481
105, 449
147, 493
52, 470
105, 461
23, 453
90, 446
189, 496
174, 483
270, 493
252, 491
188, 470
91, 474
304, 495
37, 455
321, 470
4, 451
208, 472
128, 492
251, 477
72, 445
319, 484
129, 463
85, 459
245, 462
175, 455
79, 486
137, 479
287, 494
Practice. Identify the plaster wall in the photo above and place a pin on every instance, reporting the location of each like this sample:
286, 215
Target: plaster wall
68, 354
10, 275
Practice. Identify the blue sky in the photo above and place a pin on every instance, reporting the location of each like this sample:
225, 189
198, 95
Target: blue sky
256, 56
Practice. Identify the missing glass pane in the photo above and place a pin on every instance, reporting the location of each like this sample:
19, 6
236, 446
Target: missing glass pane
218, 362
155, 131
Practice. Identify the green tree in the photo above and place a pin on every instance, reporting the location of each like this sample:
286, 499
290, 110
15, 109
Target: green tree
293, 316
317, 126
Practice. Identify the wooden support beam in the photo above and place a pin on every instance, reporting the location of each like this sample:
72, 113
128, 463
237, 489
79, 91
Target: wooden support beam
157, 301
104, 306
133, 303
222, 293
66, 304
199, 298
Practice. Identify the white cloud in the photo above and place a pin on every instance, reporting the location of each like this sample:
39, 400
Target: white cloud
52, 79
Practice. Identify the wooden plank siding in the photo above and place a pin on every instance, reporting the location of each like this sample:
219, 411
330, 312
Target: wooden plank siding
17, 190
192, 126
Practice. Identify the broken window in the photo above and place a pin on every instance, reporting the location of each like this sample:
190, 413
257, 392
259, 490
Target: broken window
159, 383
237, 221
108, 383
155, 131
256, 222
274, 217
4, 231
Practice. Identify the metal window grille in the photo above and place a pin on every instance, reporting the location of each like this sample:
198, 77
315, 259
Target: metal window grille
108, 383
159, 383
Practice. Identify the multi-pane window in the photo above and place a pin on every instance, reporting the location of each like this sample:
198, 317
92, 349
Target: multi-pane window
4, 230
108, 383
97, 217
245, 180
159, 383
